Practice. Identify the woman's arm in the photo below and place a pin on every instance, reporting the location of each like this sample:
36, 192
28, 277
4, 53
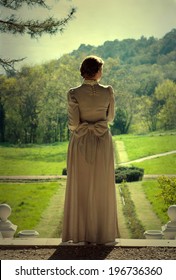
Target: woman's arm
73, 111
111, 108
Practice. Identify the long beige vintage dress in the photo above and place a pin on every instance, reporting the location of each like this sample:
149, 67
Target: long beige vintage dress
90, 213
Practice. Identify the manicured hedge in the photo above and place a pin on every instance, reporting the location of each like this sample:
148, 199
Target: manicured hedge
128, 174
64, 171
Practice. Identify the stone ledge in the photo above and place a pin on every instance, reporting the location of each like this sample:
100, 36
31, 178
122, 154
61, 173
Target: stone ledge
54, 242
35, 178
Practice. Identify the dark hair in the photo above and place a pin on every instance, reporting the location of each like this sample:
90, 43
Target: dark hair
90, 66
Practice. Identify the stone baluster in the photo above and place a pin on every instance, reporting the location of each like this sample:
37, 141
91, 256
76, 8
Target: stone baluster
7, 229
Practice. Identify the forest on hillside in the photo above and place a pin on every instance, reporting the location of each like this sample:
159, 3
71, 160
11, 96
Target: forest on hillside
33, 101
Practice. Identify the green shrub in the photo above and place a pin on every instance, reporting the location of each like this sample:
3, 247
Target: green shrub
128, 174
64, 171
168, 189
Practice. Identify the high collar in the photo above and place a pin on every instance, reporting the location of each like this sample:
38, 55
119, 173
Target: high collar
90, 82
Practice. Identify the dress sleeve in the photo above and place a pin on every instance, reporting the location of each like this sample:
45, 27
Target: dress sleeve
73, 111
111, 108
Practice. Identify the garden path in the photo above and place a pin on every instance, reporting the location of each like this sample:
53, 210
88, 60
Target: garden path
154, 156
123, 156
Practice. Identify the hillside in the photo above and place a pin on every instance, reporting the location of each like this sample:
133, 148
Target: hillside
33, 103
136, 52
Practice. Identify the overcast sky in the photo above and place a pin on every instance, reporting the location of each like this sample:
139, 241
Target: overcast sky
95, 22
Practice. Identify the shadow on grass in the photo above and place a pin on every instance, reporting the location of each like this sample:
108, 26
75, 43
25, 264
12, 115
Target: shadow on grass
81, 253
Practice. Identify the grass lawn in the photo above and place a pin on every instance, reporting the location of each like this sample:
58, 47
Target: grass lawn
160, 165
28, 201
50, 224
51, 159
33, 160
153, 194
35, 204
140, 146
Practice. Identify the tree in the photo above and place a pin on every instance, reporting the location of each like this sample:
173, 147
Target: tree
2, 123
8, 112
31, 84
125, 111
34, 28
60, 76
168, 42
148, 107
165, 93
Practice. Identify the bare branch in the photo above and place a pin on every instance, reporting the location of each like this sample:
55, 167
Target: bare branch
15, 4
8, 64
34, 28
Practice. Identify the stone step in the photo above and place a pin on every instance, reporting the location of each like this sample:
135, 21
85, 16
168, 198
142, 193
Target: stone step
51, 242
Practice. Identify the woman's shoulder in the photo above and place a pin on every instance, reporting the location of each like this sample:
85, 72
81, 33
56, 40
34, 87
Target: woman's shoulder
105, 86
73, 90
108, 88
